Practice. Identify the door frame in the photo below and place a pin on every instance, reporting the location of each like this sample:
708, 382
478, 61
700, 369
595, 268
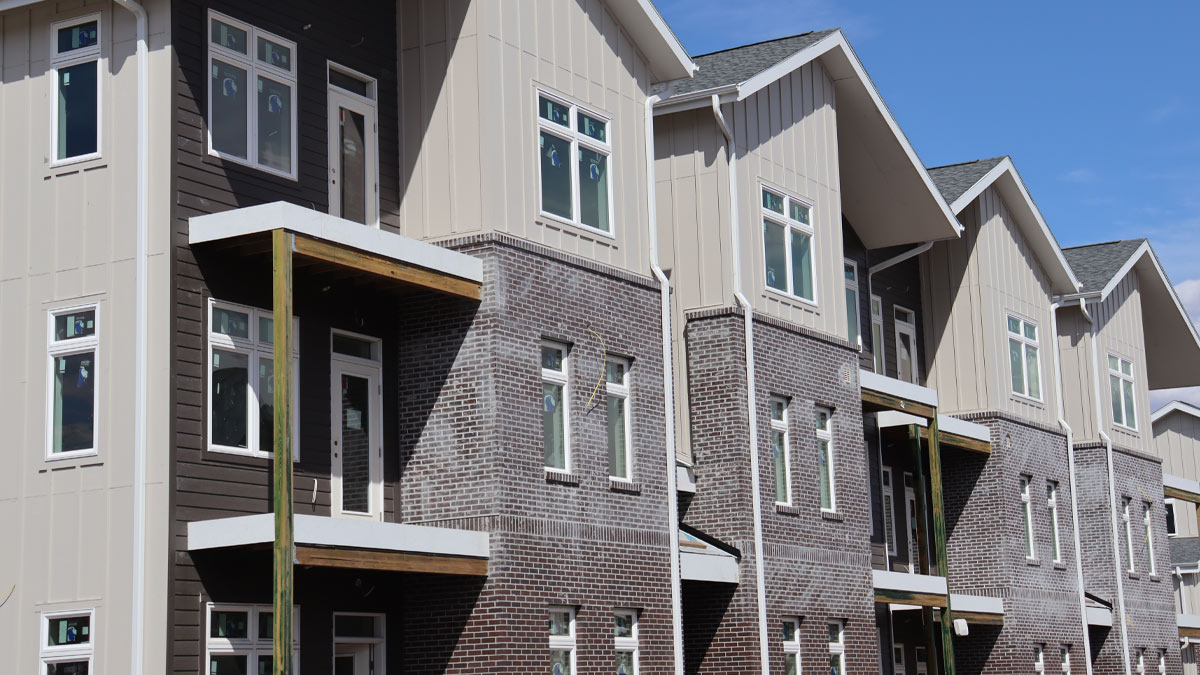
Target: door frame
372, 371
368, 108
909, 329
378, 642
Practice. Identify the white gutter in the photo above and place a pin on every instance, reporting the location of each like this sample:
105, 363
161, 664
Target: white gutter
141, 366
751, 412
668, 393
1062, 422
896, 260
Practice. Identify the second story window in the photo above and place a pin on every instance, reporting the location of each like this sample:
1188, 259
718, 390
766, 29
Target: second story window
837, 647
1148, 523
781, 451
562, 640
1120, 380
824, 428
787, 245
625, 636
1027, 517
616, 378
791, 645
574, 149
75, 64
906, 344
66, 644
1052, 506
1064, 658
853, 330
1169, 507
1039, 659
1023, 358
1126, 506
555, 416
74, 347
877, 348
251, 96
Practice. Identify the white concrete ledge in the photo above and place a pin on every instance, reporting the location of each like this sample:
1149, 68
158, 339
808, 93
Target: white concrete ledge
267, 217
897, 388
1187, 620
704, 566
338, 533
979, 604
894, 418
1179, 483
953, 425
1099, 616
685, 479
909, 583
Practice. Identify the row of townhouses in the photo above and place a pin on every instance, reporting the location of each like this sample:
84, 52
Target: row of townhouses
580, 355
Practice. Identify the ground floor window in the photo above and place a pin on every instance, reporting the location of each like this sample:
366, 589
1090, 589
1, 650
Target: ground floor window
791, 645
239, 639
625, 631
837, 648
66, 646
562, 640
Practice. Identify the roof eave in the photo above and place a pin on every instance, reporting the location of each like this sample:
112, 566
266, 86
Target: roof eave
1174, 406
1174, 370
6, 5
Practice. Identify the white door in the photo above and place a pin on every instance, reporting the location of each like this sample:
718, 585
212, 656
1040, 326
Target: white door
356, 402
353, 152
352, 659
906, 345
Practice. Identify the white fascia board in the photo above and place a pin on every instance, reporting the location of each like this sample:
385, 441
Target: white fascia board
1175, 406
277, 215
1187, 620
1099, 616
898, 388
1179, 483
885, 419
1146, 250
696, 566
695, 99
909, 583
6, 5
953, 425
979, 604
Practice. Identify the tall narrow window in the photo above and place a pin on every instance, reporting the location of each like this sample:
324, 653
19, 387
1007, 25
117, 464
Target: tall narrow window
1023, 358
922, 660
251, 96
1162, 662
877, 347
1140, 663
1027, 516
75, 68
853, 332
1052, 506
889, 510
574, 146
837, 648
1120, 380
562, 640
825, 465
239, 639
906, 344
616, 377
791, 645
626, 641
1148, 522
555, 414
1039, 659
66, 642
353, 146
781, 450
73, 350
787, 245
1169, 508
898, 667
1064, 655
1126, 505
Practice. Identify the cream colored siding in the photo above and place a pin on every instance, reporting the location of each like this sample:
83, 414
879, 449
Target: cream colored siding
1177, 443
1120, 317
68, 237
971, 286
1079, 394
469, 72
1187, 594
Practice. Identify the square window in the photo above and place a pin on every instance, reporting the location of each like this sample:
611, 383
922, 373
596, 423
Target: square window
573, 161
67, 642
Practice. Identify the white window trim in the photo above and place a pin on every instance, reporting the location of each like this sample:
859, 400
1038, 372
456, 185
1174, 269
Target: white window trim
379, 642
254, 349
565, 642
838, 648
577, 139
889, 507
562, 378
370, 369
1126, 503
792, 647
1131, 379
922, 662
371, 106
782, 427
1052, 506
629, 645
1064, 653
73, 58
827, 436
254, 68
1026, 344
908, 328
1162, 662
899, 666
879, 351
622, 391
1027, 508
1171, 513
57, 348
1141, 662
790, 228
1148, 521
1039, 659
66, 653
852, 284
251, 646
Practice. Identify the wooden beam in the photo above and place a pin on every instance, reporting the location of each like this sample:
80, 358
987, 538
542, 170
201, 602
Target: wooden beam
1189, 632
390, 561
895, 597
981, 618
922, 516
374, 264
888, 402
961, 442
285, 548
1182, 495
939, 538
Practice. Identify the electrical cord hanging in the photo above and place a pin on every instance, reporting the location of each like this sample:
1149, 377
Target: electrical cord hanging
603, 361
8, 595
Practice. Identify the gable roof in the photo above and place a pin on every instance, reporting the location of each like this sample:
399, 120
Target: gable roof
961, 183
1097, 264
1175, 406
665, 55
732, 66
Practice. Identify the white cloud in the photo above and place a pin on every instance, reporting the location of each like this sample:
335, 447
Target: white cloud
1078, 176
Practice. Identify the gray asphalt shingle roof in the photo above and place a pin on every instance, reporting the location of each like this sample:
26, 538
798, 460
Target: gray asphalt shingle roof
952, 180
1096, 264
732, 66
1185, 551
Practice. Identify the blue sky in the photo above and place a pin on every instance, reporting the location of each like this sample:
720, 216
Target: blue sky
1098, 105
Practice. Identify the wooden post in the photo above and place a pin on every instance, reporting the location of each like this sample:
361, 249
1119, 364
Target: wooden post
285, 547
939, 541
922, 516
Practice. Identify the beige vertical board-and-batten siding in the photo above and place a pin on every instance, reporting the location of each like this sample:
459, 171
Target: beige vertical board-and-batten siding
68, 237
1177, 443
972, 284
469, 73
1075, 352
1122, 334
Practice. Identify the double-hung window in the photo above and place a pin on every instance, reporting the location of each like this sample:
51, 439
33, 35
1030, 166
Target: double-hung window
239, 639
574, 150
1162, 662
66, 642
1027, 516
1126, 506
562, 640
1052, 507
788, 245
241, 380
1141, 662
1064, 656
625, 636
791, 645
616, 378
73, 350
1039, 659
889, 510
1023, 358
1148, 523
823, 421
1169, 507
251, 96
877, 346
556, 422
1120, 380
837, 647
75, 65
781, 450
853, 329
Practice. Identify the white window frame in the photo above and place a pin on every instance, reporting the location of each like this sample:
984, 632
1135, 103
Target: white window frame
1126, 504
379, 641
791, 228
908, 328
1027, 512
563, 379
826, 435
878, 343
1026, 344
1141, 662
921, 657
254, 349
254, 68
74, 58
1064, 655
370, 111
565, 642
852, 285
1039, 659
1052, 507
837, 648
1170, 509
58, 348
628, 645
792, 647
1148, 522
251, 646
1162, 662
899, 665
577, 139
48, 655
1130, 410
621, 391
889, 509
781, 426
371, 370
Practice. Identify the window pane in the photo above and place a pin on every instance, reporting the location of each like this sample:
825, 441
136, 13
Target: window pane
1113, 364
775, 253
348, 82
67, 668
77, 110
232, 323
849, 271
617, 443
802, 278
772, 202
835, 633
1014, 325
356, 444
228, 126
799, 212
1025, 514
75, 325
1127, 389
266, 625
553, 437
778, 453
274, 125
888, 533
1126, 367
1016, 367
560, 622
274, 54
593, 189
352, 162
789, 664
789, 631
352, 346
1033, 372
354, 626
68, 630
851, 315
556, 175
230, 384
552, 358
624, 663
877, 346
74, 402
1031, 331
590, 126
835, 664
560, 662
228, 36
823, 470
227, 664
622, 626
904, 365
266, 664
821, 420
77, 37
553, 111
614, 372
777, 408
1170, 510
266, 404
1114, 383
232, 625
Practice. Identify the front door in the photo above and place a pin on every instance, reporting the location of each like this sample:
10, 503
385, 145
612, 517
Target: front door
352, 659
357, 443
353, 147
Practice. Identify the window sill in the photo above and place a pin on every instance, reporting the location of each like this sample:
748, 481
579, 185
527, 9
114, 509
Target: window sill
561, 477
787, 508
796, 299
1022, 398
1060, 565
1033, 562
622, 485
1133, 575
75, 164
831, 515
1155, 578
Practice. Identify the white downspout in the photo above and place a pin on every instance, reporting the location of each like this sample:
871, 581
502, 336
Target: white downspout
668, 391
751, 412
141, 360
1062, 421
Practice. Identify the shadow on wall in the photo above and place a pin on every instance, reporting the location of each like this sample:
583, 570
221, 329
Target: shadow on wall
973, 652
704, 607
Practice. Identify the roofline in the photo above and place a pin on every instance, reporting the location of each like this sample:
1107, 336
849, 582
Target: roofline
1146, 249
1174, 406
675, 61
6, 5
